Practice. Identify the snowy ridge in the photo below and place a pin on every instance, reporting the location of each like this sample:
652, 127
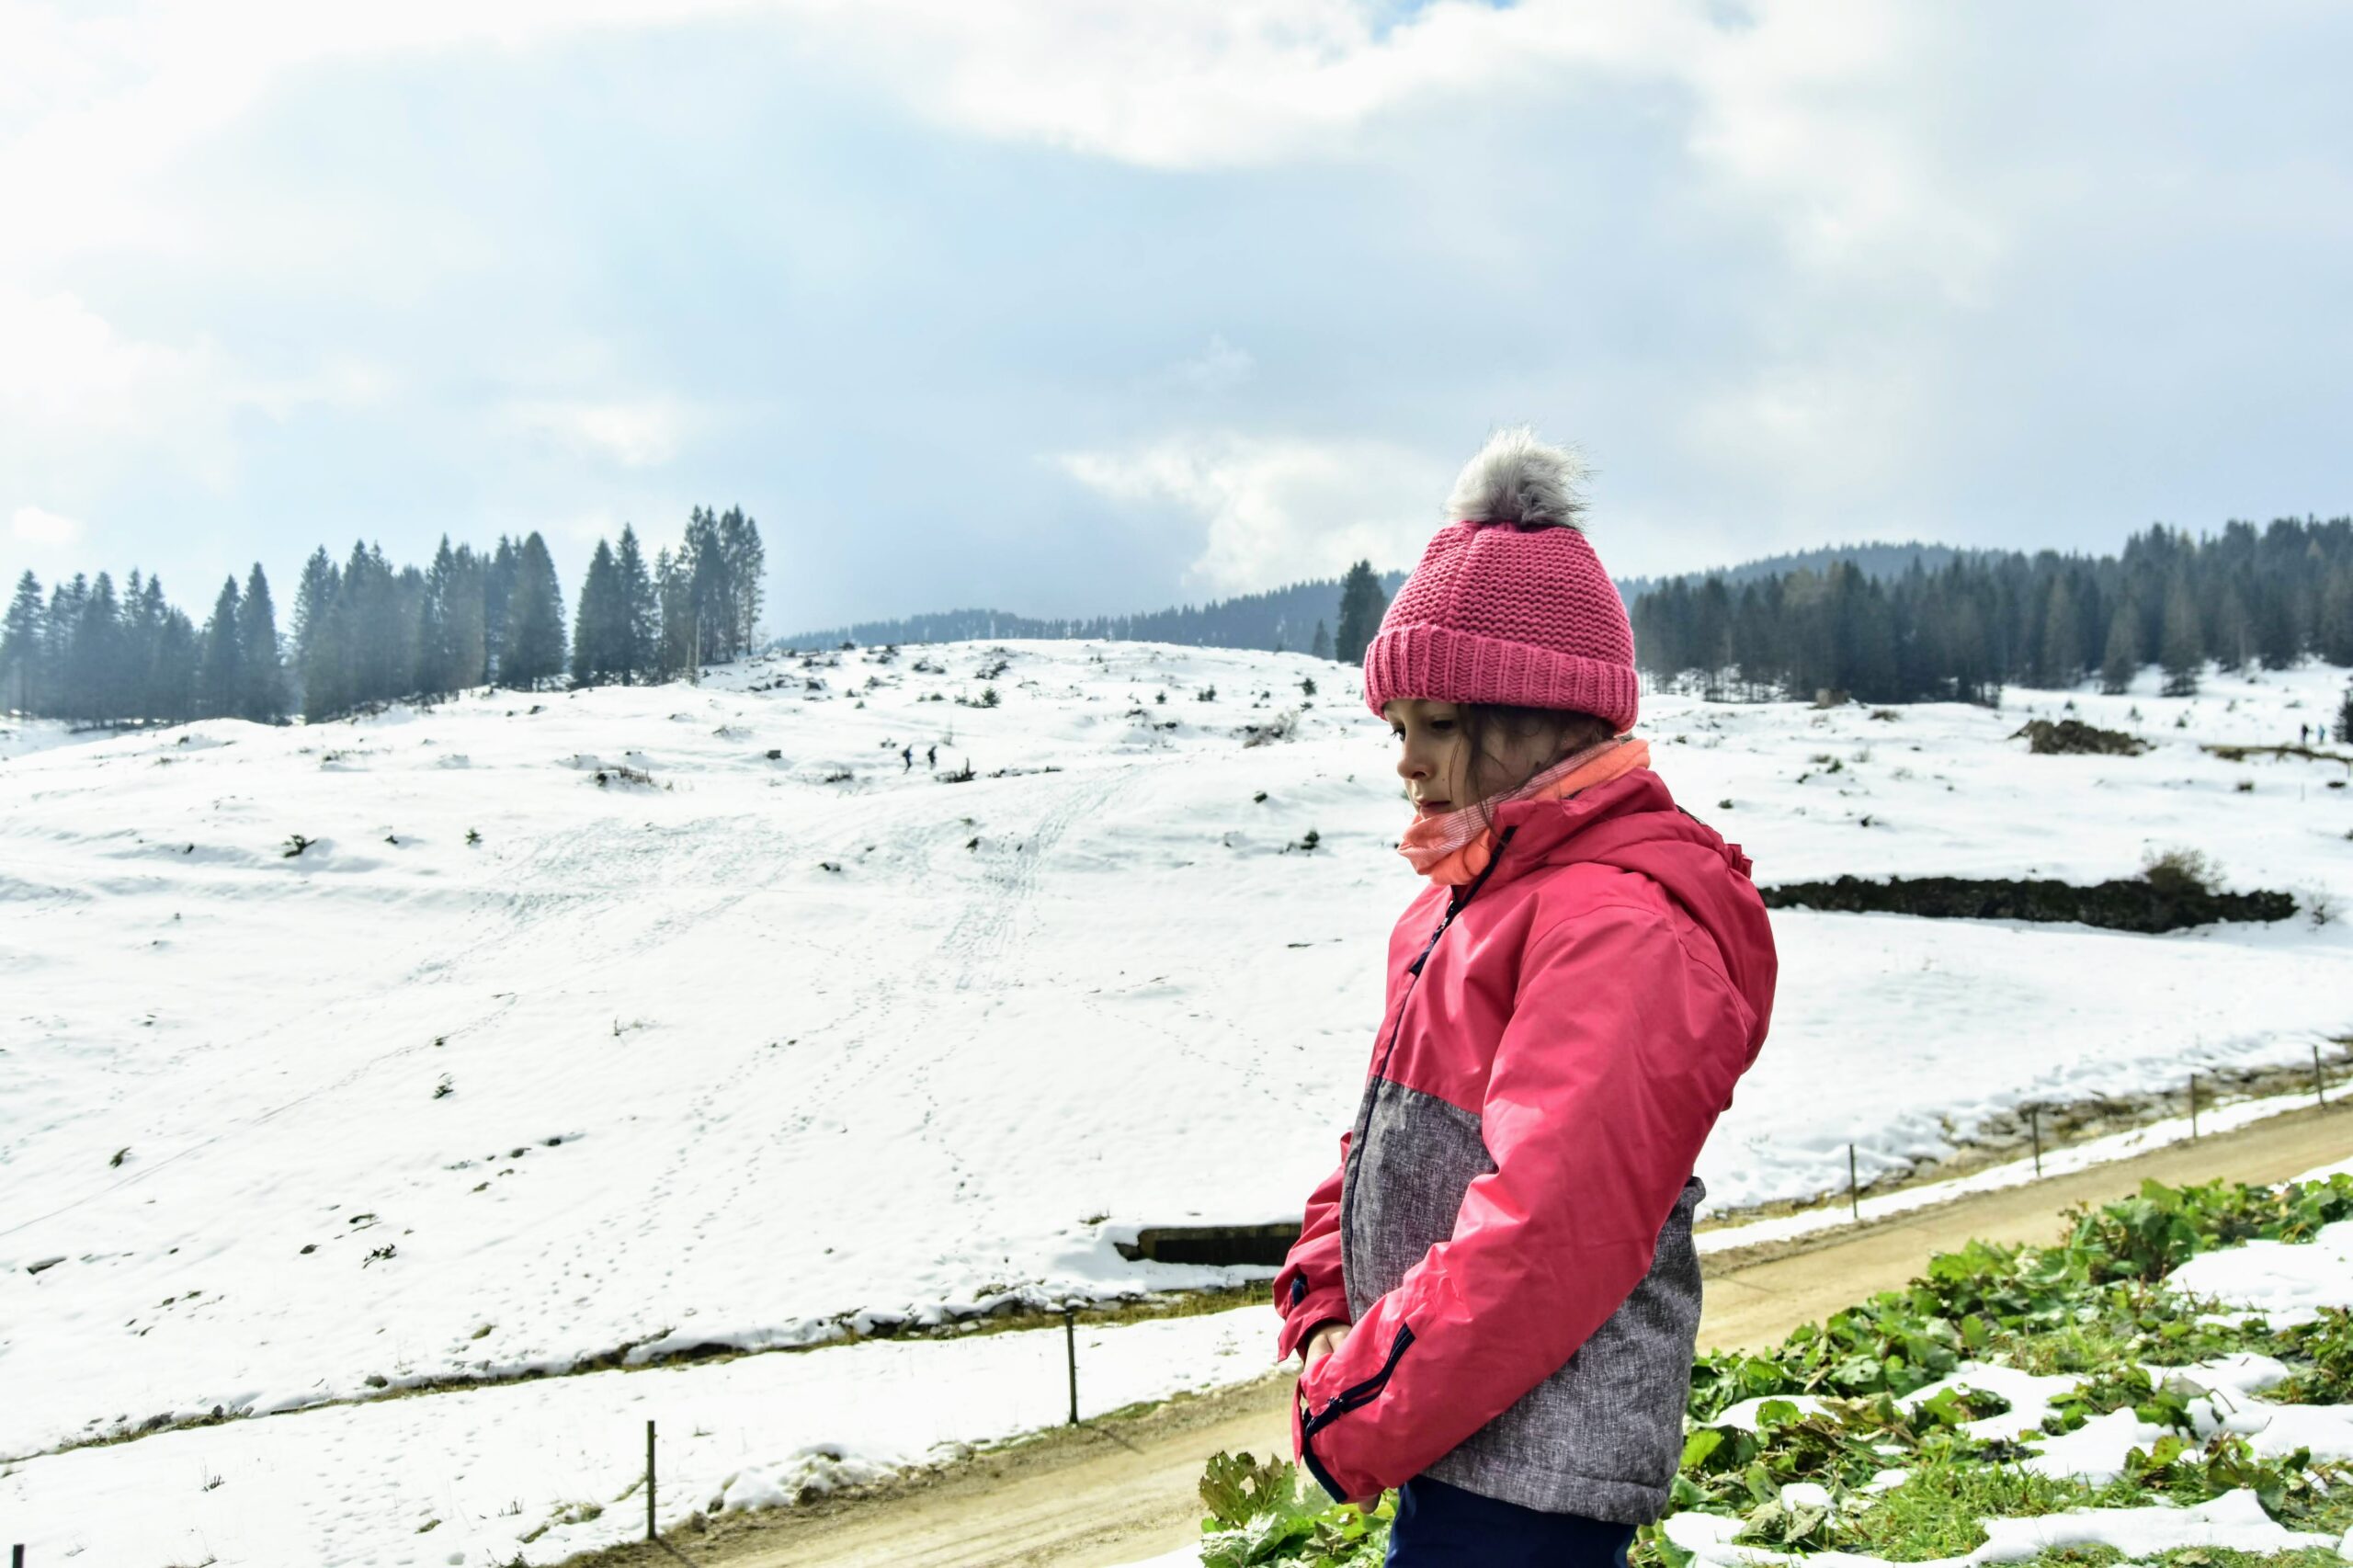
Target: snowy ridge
770, 1050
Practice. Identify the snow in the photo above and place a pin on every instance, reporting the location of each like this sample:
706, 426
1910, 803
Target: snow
482, 1472
2028, 1396
706, 1089
2095, 1451
2286, 1282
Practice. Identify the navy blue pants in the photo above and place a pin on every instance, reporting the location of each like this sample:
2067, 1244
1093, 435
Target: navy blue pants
1438, 1526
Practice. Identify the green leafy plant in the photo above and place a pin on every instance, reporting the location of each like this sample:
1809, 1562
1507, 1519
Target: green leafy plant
2328, 1344
1258, 1514
2093, 1306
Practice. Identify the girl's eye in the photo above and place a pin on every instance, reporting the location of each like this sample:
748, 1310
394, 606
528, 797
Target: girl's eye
1441, 725
1396, 732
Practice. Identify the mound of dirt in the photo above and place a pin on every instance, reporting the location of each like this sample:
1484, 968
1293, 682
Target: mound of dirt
2136, 904
2072, 736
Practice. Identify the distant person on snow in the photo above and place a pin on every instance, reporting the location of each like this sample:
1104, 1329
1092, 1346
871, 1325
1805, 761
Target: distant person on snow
931, 756
1495, 1296
909, 753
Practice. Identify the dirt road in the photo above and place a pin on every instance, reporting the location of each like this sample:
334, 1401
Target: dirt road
1115, 1491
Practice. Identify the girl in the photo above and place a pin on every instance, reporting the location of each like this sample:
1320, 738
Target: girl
1496, 1294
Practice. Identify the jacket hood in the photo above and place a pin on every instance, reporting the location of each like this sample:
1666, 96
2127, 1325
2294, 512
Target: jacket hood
1632, 823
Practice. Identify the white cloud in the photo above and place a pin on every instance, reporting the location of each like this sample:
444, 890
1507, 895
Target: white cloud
1813, 436
1821, 119
37, 526
641, 434
1813, 113
79, 398
61, 363
1218, 367
1275, 510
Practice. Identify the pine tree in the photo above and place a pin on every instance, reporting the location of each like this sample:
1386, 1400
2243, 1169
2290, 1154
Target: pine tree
745, 567
710, 598
221, 681
374, 649
318, 651
1361, 606
640, 610
142, 622
2345, 718
497, 593
598, 628
2061, 637
2121, 659
674, 588
61, 627
20, 645
263, 699
2233, 630
451, 652
532, 650
2333, 621
1321, 647
2181, 652
177, 652
94, 674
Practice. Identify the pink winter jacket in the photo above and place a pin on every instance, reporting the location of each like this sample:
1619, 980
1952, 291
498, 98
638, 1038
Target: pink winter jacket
1509, 1229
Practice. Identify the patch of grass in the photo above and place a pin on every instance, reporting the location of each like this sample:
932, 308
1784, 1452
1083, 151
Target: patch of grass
1937, 1509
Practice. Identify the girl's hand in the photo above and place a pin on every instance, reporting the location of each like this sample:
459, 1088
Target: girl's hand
1319, 1344
1322, 1343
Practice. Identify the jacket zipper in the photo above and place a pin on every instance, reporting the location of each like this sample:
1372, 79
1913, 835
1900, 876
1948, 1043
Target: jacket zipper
1365, 1392
1364, 1121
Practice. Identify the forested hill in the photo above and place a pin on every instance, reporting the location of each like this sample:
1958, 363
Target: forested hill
1286, 617
1279, 618
2244, 597
1877, 560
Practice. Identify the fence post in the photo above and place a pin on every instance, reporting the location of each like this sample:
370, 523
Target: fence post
16, 1558
2034, 1120
2193, 1108
2320, 1085
1070, 1343
649, 1533
1854, 1193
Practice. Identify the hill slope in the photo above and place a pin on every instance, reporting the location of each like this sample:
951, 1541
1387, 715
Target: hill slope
764, 1049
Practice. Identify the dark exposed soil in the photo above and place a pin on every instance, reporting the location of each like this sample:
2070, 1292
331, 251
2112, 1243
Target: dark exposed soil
2072, 736
2134, 903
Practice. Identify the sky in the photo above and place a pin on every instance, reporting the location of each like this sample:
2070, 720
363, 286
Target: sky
1076, 306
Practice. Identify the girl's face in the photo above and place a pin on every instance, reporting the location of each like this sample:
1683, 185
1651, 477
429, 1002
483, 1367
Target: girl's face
1433, 756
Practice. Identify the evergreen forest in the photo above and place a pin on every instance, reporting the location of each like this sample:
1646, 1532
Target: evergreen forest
365, 632
2244, 597
1881, 623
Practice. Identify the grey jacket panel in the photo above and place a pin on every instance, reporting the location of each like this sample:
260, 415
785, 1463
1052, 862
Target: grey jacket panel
1602, 1435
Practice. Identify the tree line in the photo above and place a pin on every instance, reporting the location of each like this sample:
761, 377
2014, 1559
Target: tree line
366, 632
2244, 597
1289, 617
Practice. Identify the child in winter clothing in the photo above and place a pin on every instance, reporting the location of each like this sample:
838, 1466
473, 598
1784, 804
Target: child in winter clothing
1496, 1293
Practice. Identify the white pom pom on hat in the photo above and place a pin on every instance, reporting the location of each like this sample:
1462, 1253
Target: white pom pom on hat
1519, 481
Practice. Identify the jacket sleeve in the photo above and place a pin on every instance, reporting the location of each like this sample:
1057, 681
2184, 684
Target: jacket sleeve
1621, 1051
1309, 1291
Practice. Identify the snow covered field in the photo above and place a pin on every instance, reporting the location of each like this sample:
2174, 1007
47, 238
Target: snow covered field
769, 1049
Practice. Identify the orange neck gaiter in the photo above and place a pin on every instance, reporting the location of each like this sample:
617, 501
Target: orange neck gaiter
1455, 847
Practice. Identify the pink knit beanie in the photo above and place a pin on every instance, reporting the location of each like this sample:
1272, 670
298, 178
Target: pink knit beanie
1509, 603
